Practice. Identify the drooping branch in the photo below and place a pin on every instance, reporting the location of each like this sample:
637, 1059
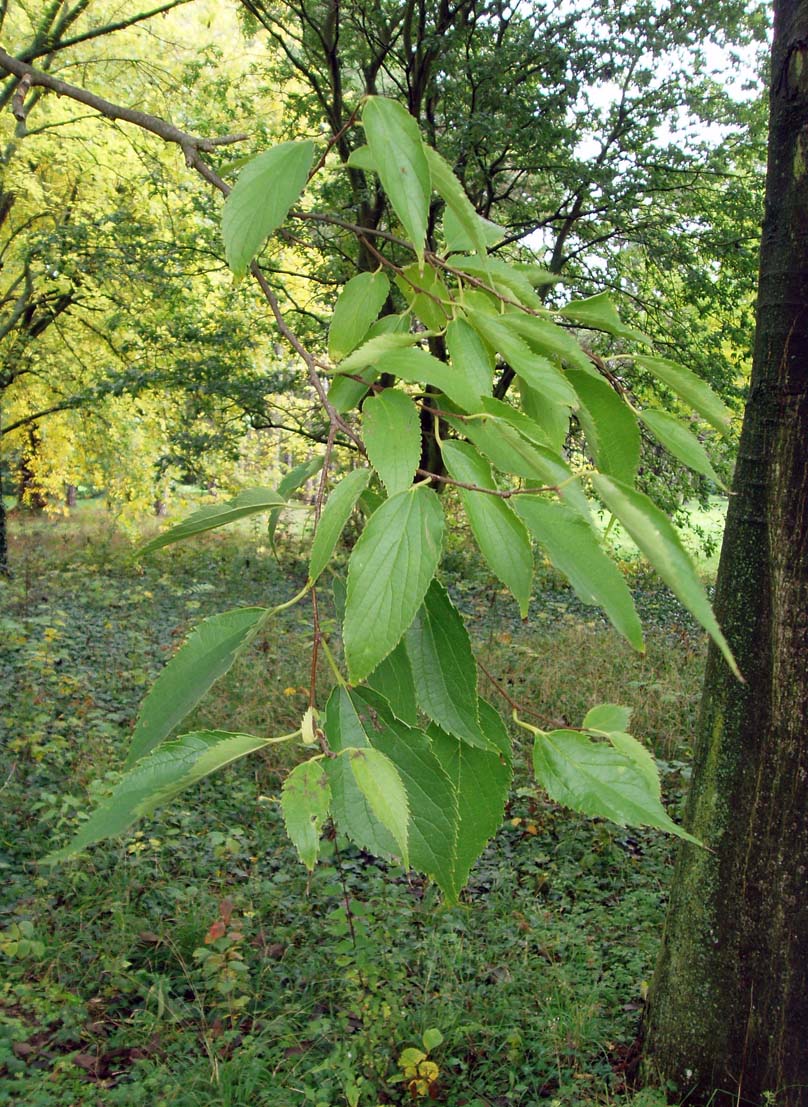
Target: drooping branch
188, 143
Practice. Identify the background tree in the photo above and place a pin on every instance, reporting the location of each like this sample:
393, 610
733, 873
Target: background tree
729, 1004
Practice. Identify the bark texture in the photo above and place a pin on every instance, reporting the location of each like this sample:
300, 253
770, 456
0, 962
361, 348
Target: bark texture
728, 1010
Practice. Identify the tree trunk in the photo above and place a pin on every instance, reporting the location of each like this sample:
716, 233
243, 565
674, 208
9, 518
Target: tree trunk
71, 495
728, 1008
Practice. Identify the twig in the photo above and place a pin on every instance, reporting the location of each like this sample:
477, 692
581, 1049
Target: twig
502, 494
317, 636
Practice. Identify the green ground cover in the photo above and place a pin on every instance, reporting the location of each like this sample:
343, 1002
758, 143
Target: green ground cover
193, 963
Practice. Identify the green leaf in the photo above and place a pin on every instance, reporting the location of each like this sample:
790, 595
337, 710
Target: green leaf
609, 424
511, 453
599, 780
419, 367
607, 717
432, 1038
388, 575
207, 654
361, 158
501, 278
356, 309
380, 783
253, 501
369, 352
157, 778
502, 538
470, 357
293, 480
426, 295
392, 678
692, 389
305, 802
391, 431
552, 419
678, 441
345, 393
458, 241
481, 780
547, 338
635, 751
401, 162
443, 667
517, 419
573, 548
351, 812
261, 198
335, 515
600, 314
539, 372
432, 830
537, 276
449, 188
654, 534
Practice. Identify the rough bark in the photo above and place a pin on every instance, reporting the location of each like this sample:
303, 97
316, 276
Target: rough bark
728, 1008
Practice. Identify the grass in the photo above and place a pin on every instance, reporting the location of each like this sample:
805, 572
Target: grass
193, 963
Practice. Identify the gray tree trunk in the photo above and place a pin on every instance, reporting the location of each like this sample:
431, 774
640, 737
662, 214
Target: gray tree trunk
728, 1008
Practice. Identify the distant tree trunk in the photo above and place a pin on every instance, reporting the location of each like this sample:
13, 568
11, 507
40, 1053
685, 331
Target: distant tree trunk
71, 495
4, 566
160, 507
728, 1008
28, 491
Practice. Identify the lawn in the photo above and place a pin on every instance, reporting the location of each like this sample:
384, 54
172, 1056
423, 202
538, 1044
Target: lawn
193, 963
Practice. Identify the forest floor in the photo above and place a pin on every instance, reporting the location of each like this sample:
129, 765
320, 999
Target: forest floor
192, 963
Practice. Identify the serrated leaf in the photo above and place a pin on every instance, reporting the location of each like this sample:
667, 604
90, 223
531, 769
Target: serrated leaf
553, 419
606, 717
573, 548
432, 830
459, 242
609, 424
261, 198
692, 389
290, 483
351, 812
503, 445
547, 338
599, 780
157, 778
344, 392
392, 678
679, 441
356, 309
517, 419
419, 367
426, 295
451, 191
470, 356
251, 502
501, 278
443, 667
369, 352
539, 371
335, 515
501, 536
600, 314
653, 532
400, 160
305, 803
537, 276
207, 654
388, 575
391, 431
481, 780
642, 759
379, 782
